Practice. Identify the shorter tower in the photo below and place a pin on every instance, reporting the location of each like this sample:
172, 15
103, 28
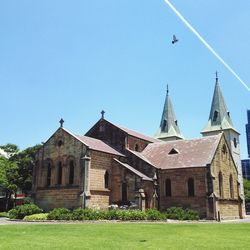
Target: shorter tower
169, 129
220, 121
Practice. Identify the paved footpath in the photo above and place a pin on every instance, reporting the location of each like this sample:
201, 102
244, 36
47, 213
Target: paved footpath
6, 221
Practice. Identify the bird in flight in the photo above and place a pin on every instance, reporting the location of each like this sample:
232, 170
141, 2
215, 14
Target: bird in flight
174, 39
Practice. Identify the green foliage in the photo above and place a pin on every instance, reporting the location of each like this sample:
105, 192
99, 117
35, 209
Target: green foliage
25, 161
10, 149
87, 214
60, 214
36, 217
179, 213
131, 215
4, 214
19, 212
16, 171
246, 184
153, 214
91, 214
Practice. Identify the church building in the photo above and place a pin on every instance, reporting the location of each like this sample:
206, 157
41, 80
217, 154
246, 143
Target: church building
111, 164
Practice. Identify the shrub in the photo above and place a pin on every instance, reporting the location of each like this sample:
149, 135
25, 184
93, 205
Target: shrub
4, 214
191, 215
60, 214
153, 214
87, 214
19, 212
36, 217
131, 215
179, 213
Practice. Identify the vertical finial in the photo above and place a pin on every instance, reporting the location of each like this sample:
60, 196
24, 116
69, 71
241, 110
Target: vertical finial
61, 122
103, 112
216, 74
167, 89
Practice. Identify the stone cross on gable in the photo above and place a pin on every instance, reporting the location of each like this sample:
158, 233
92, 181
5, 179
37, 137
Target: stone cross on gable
103, 112
61, 122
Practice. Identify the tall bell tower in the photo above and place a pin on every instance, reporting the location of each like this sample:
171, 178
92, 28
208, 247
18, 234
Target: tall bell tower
220, 121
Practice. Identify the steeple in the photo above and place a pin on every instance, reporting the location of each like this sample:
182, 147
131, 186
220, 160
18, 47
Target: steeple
169, 129
219, 117
220, 121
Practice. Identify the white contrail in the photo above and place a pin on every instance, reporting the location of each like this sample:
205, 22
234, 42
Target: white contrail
205, 43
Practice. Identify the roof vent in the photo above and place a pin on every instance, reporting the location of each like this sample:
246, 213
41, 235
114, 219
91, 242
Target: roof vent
173, 151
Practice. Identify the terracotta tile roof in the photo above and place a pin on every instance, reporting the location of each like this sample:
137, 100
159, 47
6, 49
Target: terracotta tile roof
135, 171
138, 135
185, 153
138, 154
98, 145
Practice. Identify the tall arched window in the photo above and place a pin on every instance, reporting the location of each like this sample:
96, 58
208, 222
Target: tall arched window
136, 147
231, 186
71, 172
220, 184
190, 187
59, 173
49, 174
106, 179
215, 116
168, 188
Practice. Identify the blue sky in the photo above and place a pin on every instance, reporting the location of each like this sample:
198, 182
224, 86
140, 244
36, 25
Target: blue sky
72, 59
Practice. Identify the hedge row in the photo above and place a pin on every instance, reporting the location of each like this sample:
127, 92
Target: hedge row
176, 213
33, 212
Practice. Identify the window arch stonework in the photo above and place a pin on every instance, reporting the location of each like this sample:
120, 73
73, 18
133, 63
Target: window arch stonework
231, 187
106, 179
191, 187
168, 188
220, 179
71, 172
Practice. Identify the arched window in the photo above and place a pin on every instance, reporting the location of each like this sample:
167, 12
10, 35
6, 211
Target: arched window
190, 187
48, 174
224, 149
231, 186
215, 116
164, 125
71, 172
168, 187
235, 143
136, 147
220, 184
106, 179
59, 173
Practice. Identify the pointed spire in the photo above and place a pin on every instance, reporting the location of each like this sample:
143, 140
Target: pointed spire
219, 117
169, 129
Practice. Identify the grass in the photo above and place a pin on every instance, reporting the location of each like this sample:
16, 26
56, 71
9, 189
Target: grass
125, 236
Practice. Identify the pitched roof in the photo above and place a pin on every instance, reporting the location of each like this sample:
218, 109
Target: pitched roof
135, 171
219, 117
138, 135
168, 126
186, 153
134, 133
98, 145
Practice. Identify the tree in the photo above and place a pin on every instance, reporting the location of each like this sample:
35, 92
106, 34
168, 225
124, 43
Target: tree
8, 178
16, 171
10, 149
246, 184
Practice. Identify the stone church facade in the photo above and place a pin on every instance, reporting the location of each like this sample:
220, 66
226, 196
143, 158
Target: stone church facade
115, 165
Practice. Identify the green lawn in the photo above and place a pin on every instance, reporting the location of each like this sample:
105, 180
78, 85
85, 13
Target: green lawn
125, 236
